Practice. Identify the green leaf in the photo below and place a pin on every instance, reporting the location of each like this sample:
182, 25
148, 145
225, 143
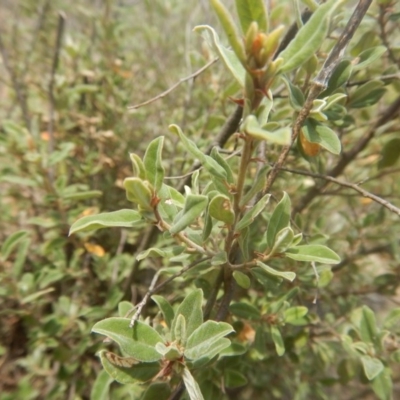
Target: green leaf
228, 57
339, 77
313, 252
137, 342
101, 386
152, 161
165, 307
296, 96
390, 153
252, 10
383, 385
288, 275
195, 204
191, 309
277, 339
264, 109
124, 307
234, 379
191, 385
36, 295
180, 329
245, 310
280, 219
368, 327
258, 185
121, 219
309, 38
208, 162
315, 132
392, 319
220, 208
229, 27
283, 240
368, 56
367, 95
164, 253
281, 136
205, 340
139, 192
250, 216
11, 242
138, 167
221, 161
293, 314
372, 366
242, 279
141, 372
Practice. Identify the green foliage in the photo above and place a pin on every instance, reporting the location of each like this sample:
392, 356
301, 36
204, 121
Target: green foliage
236, 265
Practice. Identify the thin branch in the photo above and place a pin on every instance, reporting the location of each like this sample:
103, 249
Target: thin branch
319, 84
353, 186
173, 87
19, 91
347, 157
56, 57
154, 289
386, 248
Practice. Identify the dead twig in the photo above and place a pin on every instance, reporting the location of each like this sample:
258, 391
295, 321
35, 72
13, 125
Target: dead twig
173, 87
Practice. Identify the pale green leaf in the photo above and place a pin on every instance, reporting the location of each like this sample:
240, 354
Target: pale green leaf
281, 136
152, 161
315, 132
137, 342
165, 307
194, 206
277, 339
280, 219
101, 386
242, 279
228, 57
372, 366
202, 342
220, 208
313, 252
191, 309
250, 216
11, 242
191, 385
309, 38
288, 275
252, 10
120, 219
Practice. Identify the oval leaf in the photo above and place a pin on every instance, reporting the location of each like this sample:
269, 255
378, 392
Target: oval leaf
313, 252
120, 219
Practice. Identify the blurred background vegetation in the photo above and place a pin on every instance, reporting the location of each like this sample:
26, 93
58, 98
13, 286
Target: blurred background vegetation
68, 72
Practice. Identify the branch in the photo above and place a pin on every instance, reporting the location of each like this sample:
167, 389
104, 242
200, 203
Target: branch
320, 83
173, 87
154, 289
16, 85
349, 156
353, 186
56, 57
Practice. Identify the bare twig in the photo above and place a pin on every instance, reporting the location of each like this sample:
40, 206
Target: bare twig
353, 186
173, 87
19, 91
319, 83
56, 57
154, 289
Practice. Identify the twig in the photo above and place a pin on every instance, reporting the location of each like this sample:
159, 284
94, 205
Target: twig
154, 289
173, 87
353, 186
16, 85
349, 156
320, 83
386, 248
56, 57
